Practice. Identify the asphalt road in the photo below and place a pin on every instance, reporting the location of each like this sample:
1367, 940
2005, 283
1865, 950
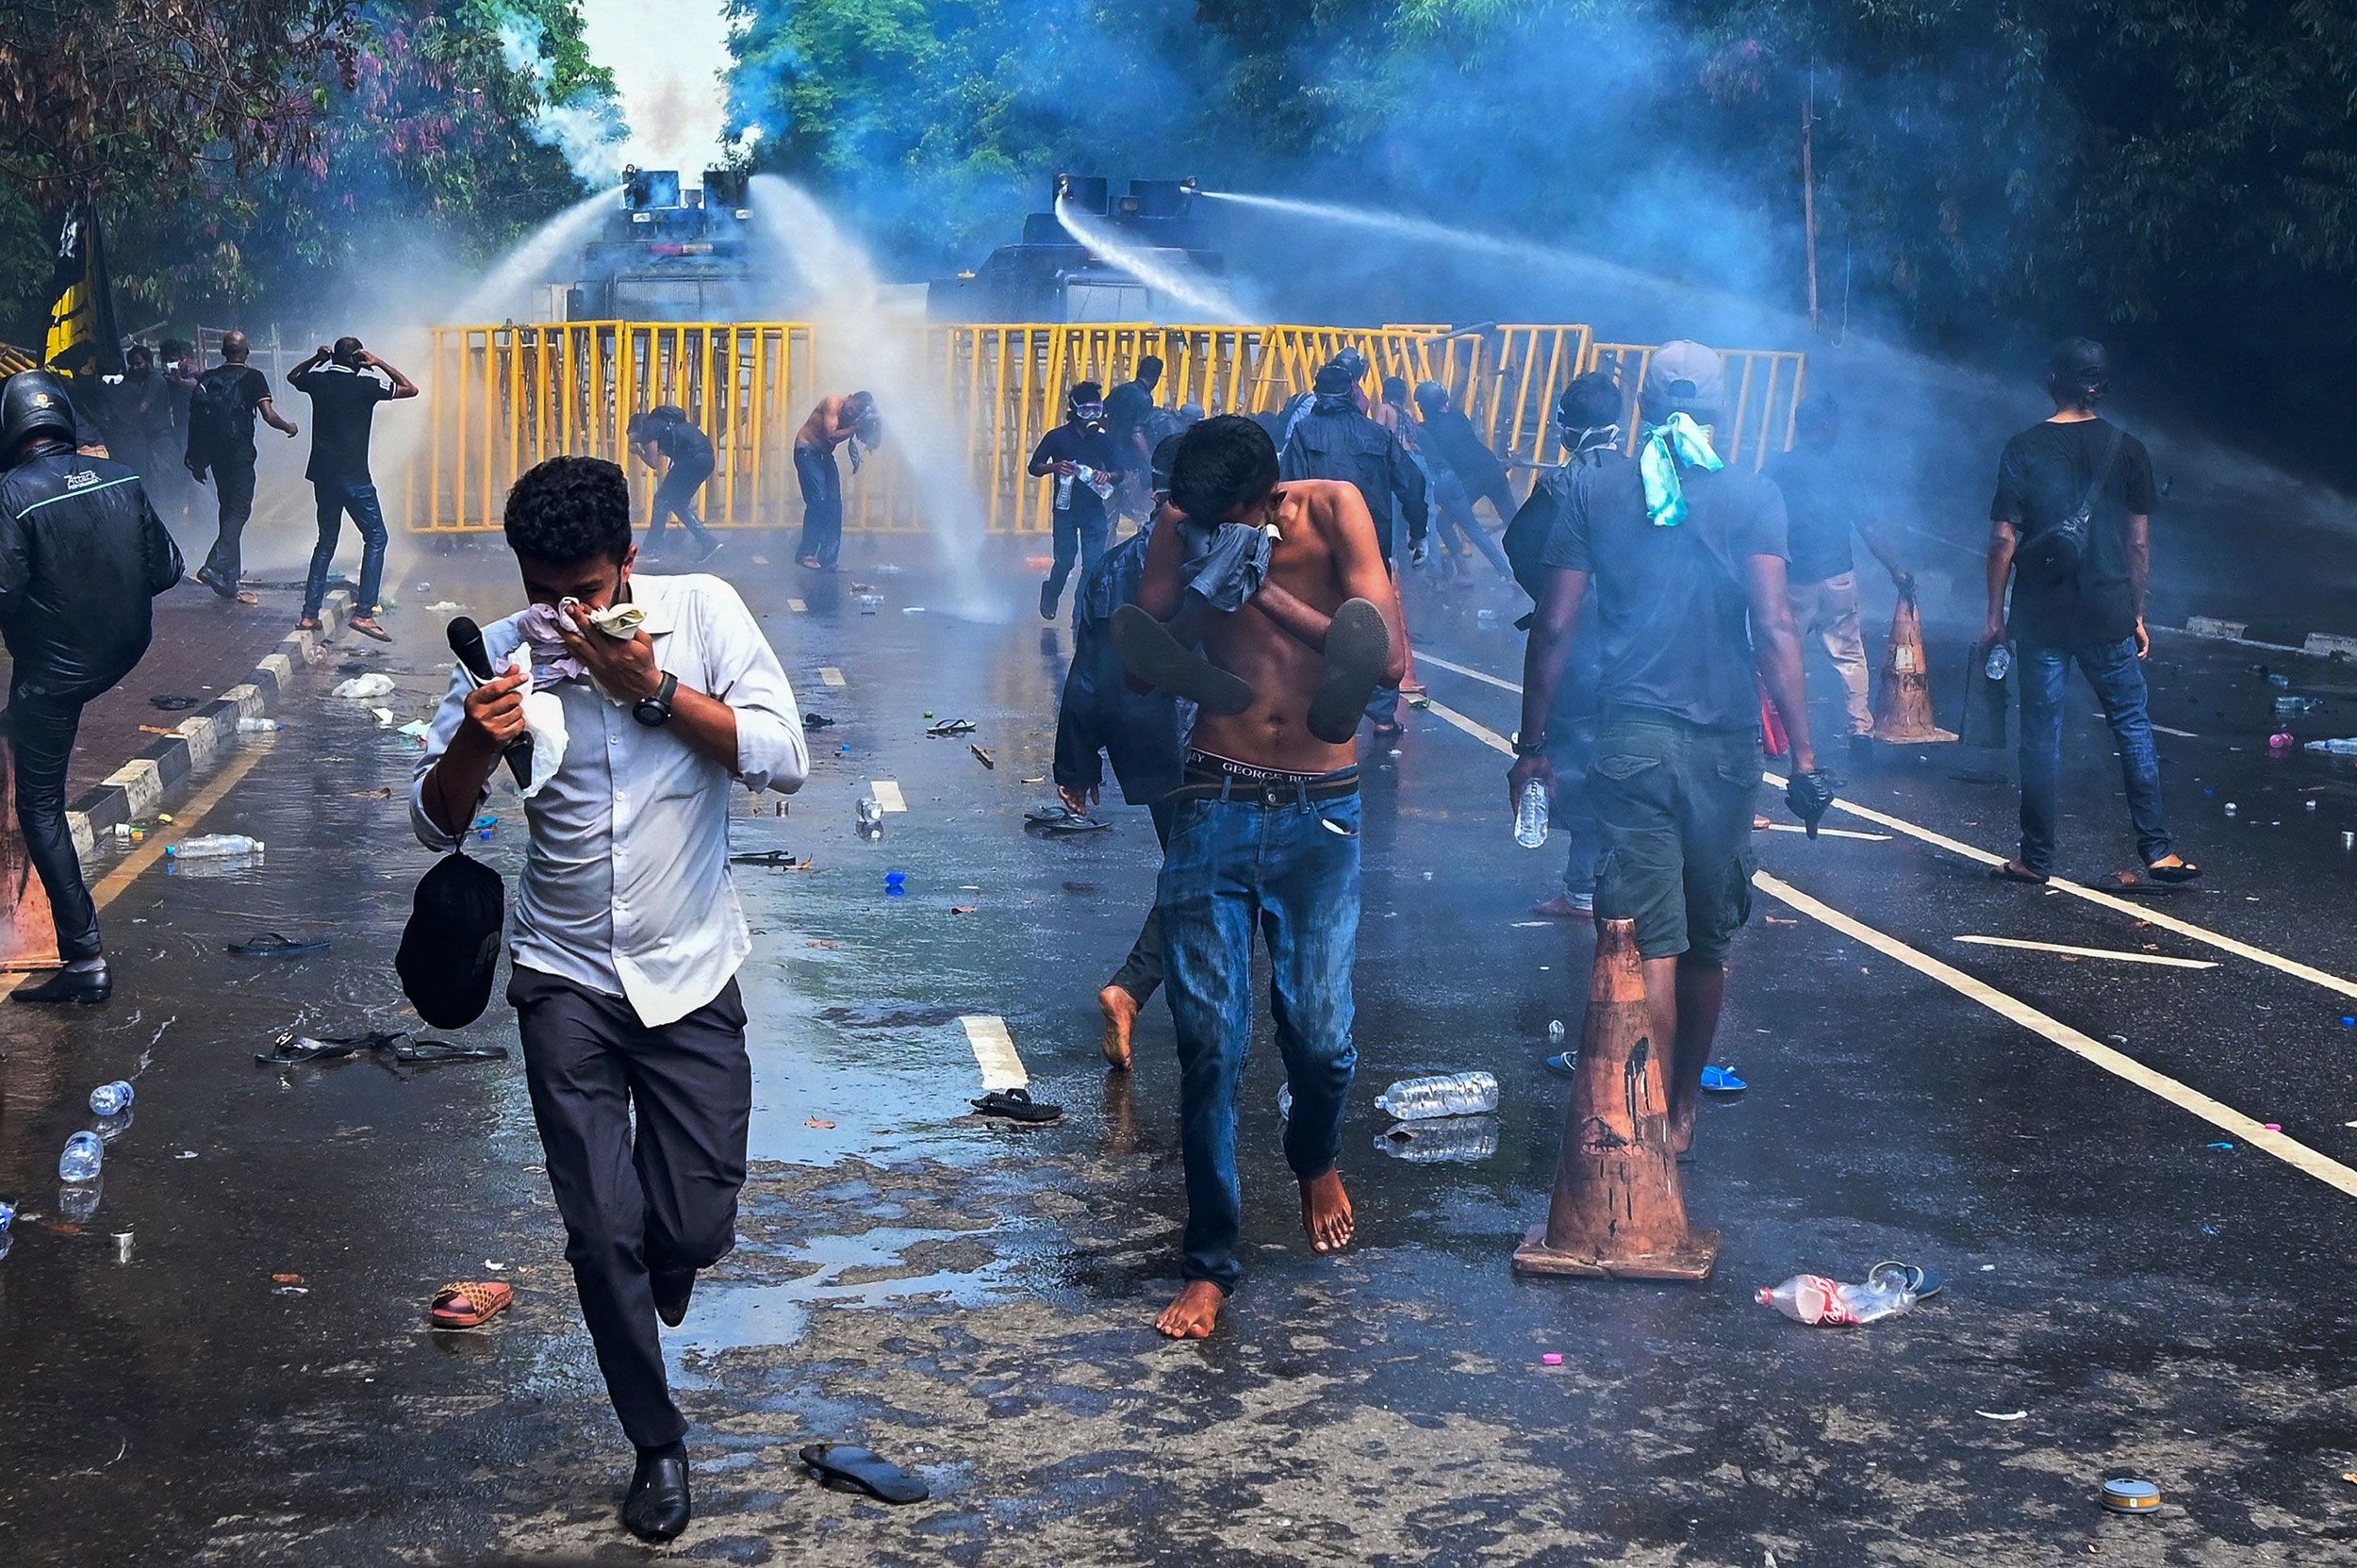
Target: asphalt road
256, 1384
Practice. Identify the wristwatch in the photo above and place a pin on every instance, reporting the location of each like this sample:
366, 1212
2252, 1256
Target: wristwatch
1530, 748
655, 710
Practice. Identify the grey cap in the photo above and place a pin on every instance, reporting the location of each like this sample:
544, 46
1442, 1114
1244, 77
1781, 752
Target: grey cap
1684, 376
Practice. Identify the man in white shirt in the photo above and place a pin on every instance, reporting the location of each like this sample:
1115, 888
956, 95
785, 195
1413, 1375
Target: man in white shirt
627, 932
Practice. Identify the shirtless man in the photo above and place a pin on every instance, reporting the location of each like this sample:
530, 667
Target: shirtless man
1265, 834
835, 421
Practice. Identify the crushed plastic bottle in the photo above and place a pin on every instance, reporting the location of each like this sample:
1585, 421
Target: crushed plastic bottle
361, 687
870, 816
8, 1214
2000, 662
2278, 681
77, 1200
108, 1098
869, 603
1814, 1299
253, 726
1285, 1102
212, 846
2346, 747
2279, 741
2292, 707
81, 1158
1530, 815
1446, 1094
1555, 1031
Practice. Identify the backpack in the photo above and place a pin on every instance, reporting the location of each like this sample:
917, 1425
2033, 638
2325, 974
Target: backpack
214, 423
2053, 552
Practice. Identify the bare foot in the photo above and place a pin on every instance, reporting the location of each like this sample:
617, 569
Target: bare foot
1195, 1314
1564, 907
1121, 1012
1681, 1125
1326, 1213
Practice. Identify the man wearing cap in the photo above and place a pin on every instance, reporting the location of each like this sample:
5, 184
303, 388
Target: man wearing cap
82, 554
1684, 559
627, 932
2072, 531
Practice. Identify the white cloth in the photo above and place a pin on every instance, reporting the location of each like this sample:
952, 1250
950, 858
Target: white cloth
626, 887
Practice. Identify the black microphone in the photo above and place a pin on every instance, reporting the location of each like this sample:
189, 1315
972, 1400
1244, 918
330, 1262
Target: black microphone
465, 640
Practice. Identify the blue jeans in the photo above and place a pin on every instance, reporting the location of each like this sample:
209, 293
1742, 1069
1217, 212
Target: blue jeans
821, 479
1291, 868
335, 500
1571, 747
1079, 534
675, 499
2117, 676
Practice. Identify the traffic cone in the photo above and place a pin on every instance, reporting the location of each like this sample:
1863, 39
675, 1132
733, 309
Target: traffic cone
28, 937
1903, 709
1619, 1209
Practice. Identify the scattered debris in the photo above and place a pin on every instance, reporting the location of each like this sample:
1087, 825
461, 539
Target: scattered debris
984, 757
2130, 1495
1553, 1358
821, 1125
445, 606
361, 687
950, 727
288, 1279
847, 1467
2002, 1415
816, 721
172, 702
1061, 819
777, 860
963, 909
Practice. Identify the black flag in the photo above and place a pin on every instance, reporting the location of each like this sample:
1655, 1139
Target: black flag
82, 338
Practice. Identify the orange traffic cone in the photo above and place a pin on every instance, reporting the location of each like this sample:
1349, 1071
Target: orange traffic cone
28, 937
1619, 1211
1902, 710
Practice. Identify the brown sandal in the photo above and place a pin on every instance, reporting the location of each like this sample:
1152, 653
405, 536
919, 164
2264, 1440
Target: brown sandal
367, 626
471, 1303
2013, 870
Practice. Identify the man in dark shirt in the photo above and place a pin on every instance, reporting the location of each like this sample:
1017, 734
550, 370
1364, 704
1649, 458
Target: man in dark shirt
344, 395
1451, 440
1127, 407
222, 405
666, 436
1825, 499
1143, 734
1693, 614
2072, 528
1087, 467
1334, 438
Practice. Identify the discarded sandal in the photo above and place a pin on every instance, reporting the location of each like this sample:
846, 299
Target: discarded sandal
1016, 1105
270, 944
302, 1049
471, 1303
1718, 1081
777, 860
171, 704
441, 1050
2013, 870
816, 721
848, 1467
1061, 819
1563, 1064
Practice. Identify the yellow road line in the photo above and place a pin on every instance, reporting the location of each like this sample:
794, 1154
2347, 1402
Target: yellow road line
2144, 910
2113, 953
2217, 1113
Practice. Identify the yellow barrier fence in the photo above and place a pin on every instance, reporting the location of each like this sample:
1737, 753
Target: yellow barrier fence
503, 398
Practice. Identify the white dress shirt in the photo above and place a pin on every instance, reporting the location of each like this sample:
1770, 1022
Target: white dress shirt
626, 887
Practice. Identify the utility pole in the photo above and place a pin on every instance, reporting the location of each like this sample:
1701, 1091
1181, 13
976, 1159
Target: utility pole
1808, 196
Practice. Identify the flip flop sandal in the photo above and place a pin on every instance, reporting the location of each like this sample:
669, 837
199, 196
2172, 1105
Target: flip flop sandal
302, 1049
2134, 886
848, 1467
1061, 819
1718, 1081
952, 727
1563, 1064
1149, 652
1356, 645
1016, 1105
816, 721
471, 1303
270, 944
1924, 1283
171, 703
445, 1050
777, 860
2178, 875
2013, 870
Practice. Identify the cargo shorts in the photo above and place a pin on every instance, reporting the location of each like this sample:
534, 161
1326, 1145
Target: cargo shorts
1674, 806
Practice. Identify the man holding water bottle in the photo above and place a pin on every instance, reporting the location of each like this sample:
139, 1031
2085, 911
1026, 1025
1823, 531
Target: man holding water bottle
1684, 558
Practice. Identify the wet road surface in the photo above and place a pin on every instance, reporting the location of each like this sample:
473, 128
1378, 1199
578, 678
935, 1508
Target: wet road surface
256, 1384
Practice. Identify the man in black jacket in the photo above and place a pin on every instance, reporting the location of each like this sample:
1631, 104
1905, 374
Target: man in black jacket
81, 555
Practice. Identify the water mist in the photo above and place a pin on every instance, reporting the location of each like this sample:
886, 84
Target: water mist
1212, 303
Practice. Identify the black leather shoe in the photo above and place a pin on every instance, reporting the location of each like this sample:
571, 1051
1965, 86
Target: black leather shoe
672, 1292
656, 1509
90, 986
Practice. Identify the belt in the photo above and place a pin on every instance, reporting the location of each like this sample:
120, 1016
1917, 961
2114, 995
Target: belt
1239, 784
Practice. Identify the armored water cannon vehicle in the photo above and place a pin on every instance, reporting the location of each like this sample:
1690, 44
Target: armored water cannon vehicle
1054, 274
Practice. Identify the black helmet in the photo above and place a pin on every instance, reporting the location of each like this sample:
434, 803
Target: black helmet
1432, 397
1350, 359
32, 401
1591, 401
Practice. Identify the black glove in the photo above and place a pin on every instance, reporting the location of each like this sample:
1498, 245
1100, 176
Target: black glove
1810, 796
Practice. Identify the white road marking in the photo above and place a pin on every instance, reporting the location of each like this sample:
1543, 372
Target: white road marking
994, 1052
2144, 912
797, 606
887, 794
2091, 952
1830, 832
2218, 1114
1481, 675
829, 675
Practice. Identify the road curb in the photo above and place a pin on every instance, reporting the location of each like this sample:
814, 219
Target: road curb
143, 785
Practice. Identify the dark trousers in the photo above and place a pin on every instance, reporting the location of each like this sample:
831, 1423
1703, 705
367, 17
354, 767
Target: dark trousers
1079, 535
1499, 493
821, 479
43, 729
232, 483
335, 500
663, 1202
1141, 973
675, 498
2117, 676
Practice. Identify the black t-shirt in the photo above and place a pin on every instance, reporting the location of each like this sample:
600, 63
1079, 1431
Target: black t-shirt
2042, 478
1092, 449
1451, 436
684, 444
1672, 607
1127, 407
1821, 508
225, 428
343, 405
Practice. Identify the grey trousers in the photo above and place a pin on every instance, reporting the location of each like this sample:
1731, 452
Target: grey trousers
664, 1202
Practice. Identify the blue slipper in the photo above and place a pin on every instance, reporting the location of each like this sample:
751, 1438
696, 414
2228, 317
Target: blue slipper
1924, 1283
1719, 1080
1560, 1063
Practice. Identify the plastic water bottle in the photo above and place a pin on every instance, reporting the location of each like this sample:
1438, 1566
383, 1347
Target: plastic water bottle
2346, 747
1555, 1031
78, 1201
1530, 815
869, 603
111, 1127
1285, 1102
213, 845
870, 817
83, 1155
1814, 1299
108, 1098
1461, 1140
1447, 1095
2000, 662
8, 1214
250, 726
1063, 492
